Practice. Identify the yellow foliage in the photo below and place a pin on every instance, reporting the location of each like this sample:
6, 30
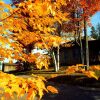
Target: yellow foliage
42, 61
90, 74
12, 85
95, 67
1, 2
71, 69
32, 23
79, 64
78, 68
54, 75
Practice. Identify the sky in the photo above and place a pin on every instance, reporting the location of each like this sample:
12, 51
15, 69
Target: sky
7, 1
95, 19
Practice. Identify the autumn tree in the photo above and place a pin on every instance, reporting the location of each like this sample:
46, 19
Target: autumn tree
80, 12
24, 30
5, 42
89, 8
75, 24
27, 21
32, 24
38, 19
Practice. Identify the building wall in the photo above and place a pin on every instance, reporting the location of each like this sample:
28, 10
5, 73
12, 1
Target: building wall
72, 55
69, 56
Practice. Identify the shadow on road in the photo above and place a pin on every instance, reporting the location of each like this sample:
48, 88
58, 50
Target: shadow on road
74, 88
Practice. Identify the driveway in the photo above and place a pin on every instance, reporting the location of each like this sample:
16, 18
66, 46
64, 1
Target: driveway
69, 92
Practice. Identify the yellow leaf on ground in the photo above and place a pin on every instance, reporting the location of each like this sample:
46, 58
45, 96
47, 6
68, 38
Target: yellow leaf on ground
90, 74
52, 89
54, 75
95, 67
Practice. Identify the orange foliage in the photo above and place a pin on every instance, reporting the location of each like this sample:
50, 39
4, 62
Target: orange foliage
72, 69
32, 24
78, 68
52, 89
78, 10
13, 86
90, 74
54, 75
95, 67
42, 61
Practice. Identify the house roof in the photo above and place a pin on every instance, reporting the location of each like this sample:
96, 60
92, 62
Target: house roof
91, 42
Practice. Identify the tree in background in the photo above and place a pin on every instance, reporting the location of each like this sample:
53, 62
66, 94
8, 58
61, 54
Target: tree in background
95, 31
98, 30
80, 12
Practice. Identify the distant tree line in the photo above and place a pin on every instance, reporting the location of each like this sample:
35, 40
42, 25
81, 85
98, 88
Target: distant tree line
95, 31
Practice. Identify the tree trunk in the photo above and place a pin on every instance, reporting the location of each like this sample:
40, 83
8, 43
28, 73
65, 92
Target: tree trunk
59, 34
55, 62
3, 67
80, 40
86, 44
81, 49
58, 59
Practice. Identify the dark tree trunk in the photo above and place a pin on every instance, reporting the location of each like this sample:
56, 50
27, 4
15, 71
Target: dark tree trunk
81, 49
58, 58
80, 40
3, 67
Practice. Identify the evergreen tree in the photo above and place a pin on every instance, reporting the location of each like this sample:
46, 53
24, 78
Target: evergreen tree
94, 33
98, 30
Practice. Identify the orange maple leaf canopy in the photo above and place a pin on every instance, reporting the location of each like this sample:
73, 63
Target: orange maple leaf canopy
32, 22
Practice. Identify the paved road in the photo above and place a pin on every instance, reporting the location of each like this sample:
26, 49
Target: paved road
68, 92
71, 92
